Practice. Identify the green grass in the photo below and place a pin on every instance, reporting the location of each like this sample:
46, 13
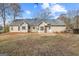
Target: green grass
36, 45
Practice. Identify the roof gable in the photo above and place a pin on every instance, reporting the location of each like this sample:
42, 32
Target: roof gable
43, 23
18, 22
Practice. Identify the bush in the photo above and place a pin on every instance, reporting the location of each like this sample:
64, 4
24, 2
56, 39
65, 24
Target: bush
76, 31
6, 29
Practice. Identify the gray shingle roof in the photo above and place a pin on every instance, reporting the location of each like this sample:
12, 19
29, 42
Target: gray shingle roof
51, 22
18, 22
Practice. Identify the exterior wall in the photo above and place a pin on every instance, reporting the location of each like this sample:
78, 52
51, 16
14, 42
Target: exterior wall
33, 28
49, 30
15, 28
26, 30
58, 28
43, 24
38, 28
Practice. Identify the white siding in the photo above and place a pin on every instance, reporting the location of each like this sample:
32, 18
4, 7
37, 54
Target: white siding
52, 28
26, 30
58, 28
49, 30
15, 28
43, 24
38, 28
34, 29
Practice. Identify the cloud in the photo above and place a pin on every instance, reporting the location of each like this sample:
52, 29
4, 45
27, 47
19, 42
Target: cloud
55, 8
28, 12
58, 8
45, 5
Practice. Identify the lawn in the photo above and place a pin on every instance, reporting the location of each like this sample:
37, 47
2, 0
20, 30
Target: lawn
33, 44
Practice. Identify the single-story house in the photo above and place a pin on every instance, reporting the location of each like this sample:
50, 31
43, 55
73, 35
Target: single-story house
41, 26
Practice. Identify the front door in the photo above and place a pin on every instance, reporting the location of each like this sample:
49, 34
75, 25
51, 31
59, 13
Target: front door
47, 29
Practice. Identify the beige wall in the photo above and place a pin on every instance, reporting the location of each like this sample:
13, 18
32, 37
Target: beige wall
34, 29
43, 24
15, 28
58, 28
26, 25
37, 28
49, 30
52, 28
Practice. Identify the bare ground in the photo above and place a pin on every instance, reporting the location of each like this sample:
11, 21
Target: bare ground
42, 44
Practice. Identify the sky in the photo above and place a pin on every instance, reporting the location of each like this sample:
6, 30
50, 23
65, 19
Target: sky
56, 8
30, 9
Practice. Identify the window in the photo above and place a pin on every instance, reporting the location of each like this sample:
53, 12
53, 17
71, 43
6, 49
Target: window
18, 28
28, 27
23, 27
11, 28
41, 28
33, 27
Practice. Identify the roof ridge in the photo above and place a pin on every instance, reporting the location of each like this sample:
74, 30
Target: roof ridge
33, 22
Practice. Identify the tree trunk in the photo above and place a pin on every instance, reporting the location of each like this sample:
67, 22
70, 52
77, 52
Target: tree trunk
4, 19
4, 23
77, 22
14, 17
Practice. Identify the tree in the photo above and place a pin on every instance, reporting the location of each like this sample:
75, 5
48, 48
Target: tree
76, 19
66, 20
4, 12
76, 25
15, 10
44, 14
71, 18
7, 9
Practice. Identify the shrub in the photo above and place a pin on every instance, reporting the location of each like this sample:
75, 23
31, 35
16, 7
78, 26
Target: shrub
6, 29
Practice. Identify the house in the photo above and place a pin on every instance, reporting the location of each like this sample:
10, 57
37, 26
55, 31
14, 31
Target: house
41, 26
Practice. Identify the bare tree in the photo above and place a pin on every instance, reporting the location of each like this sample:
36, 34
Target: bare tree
7, 9
71, 19
76, 23
66, 20
76, 19
4, 12
15, 10
44, 14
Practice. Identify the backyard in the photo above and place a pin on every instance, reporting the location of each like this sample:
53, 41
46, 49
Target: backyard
33, 44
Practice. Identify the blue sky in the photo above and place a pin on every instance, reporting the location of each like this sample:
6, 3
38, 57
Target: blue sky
56, 8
